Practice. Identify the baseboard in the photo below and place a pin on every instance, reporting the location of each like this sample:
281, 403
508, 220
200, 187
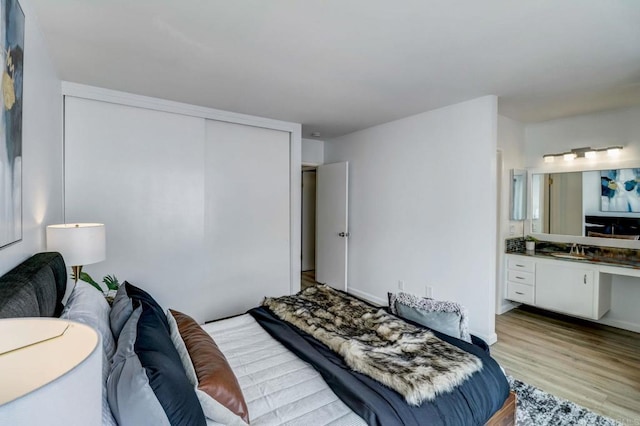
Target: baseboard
489, 338
506, 307
368, 297
625, 325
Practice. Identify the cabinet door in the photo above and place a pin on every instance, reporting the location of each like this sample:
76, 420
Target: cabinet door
564, 288
246, 216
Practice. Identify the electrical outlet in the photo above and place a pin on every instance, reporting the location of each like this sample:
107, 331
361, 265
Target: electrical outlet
401, 285
512, 230
428, 291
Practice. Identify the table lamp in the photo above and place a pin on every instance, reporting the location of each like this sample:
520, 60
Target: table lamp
79, 243
51, 372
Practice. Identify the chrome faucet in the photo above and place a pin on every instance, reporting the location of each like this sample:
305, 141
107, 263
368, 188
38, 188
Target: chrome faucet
577, 250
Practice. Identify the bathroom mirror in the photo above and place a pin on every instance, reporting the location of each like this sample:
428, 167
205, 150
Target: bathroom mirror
595, 203
518, 194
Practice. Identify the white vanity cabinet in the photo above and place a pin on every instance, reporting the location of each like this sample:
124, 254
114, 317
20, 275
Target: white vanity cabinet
572, 288
521, 276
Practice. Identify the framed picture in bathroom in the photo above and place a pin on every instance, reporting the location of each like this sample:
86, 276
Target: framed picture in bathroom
620, 190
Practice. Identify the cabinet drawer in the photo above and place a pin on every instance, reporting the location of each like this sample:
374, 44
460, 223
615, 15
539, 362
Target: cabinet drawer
520, 277
520, 293
520, 264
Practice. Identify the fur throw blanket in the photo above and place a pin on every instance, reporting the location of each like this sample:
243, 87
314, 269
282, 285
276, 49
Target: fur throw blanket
406, 358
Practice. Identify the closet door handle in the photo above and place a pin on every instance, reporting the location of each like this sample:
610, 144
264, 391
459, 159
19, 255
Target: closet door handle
585, 278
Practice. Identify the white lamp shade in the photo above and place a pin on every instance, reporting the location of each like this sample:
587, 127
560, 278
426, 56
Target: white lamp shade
51, 382
79, 243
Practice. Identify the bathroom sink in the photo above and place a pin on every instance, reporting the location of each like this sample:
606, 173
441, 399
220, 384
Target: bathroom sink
570, 256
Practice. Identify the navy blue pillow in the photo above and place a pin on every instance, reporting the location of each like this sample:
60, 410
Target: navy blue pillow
138, 295
148, 384
127, 299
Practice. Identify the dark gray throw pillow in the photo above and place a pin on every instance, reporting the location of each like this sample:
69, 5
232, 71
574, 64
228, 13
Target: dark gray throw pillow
147, 383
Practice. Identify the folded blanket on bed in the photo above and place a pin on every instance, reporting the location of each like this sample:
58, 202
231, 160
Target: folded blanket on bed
408, 359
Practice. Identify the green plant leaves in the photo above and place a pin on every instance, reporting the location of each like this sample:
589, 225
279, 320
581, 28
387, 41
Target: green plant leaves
111, 281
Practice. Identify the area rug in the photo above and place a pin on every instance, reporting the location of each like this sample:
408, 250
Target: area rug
539, 408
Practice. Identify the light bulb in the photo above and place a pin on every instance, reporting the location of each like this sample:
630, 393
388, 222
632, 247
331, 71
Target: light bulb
590, 155
613, 152
569, 156
549, 158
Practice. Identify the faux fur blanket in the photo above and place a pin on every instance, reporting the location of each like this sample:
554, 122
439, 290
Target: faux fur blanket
406, 358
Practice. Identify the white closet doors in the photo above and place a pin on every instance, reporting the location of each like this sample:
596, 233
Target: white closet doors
247, 224
197, 211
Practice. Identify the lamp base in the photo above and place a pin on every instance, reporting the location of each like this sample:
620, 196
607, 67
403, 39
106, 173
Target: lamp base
76, 271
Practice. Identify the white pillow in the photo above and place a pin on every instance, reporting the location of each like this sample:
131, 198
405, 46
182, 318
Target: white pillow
88, 306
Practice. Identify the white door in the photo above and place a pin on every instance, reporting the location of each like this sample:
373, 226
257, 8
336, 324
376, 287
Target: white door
332, 231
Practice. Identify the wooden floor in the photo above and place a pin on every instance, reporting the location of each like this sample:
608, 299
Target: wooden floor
592, 365
307, 279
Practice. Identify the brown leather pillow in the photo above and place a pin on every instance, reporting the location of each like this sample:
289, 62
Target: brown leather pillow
215, 376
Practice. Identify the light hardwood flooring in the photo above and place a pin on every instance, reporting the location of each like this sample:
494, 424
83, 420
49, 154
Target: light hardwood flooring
307, 279
592, 365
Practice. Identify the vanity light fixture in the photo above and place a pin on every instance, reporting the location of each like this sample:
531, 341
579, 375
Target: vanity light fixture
586, 152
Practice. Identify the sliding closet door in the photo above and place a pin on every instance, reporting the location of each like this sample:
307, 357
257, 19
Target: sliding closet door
141, 172
247, 223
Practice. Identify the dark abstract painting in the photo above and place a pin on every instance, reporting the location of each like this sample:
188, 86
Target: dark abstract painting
620, 190
12, 40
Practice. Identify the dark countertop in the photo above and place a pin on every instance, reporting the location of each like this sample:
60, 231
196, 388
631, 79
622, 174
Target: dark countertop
610, 256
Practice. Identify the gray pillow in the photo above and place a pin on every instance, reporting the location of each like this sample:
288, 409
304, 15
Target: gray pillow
449, 318
147, 384
88, 306
121, 310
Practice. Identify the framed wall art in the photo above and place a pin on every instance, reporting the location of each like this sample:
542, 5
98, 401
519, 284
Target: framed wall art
12, 41
620, 190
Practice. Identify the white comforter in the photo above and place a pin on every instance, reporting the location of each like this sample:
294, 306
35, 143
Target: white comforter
279, 388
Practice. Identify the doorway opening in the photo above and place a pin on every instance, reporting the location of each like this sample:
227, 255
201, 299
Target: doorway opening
308, 243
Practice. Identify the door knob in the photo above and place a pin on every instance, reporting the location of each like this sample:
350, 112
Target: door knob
343, 234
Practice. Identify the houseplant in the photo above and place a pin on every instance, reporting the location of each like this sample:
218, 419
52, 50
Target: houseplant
530, 243
110, 281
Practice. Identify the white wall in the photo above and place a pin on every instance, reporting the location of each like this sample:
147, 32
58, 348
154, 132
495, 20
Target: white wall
511, 147
312, 152
422, 207
41, 146
616, 127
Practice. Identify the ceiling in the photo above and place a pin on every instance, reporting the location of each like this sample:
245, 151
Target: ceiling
337, 66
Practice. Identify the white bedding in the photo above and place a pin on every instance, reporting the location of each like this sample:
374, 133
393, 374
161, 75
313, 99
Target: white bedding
279, 388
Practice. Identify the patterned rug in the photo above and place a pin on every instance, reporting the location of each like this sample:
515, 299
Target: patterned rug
539, 408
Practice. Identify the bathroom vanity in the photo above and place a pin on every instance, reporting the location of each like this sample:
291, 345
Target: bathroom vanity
575, 288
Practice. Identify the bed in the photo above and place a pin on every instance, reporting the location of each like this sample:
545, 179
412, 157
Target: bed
285, 375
